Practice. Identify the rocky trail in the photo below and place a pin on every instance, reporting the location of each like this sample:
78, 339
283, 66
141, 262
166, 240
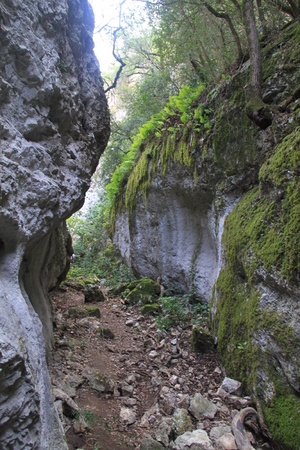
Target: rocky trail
121, 383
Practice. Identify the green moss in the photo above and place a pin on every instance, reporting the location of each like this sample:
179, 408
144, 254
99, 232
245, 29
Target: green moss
182, 154
167, 152
233, 141
151, 309
262, 232
282, 49
282, 418
106, 333
145, 292
237, 317
265, 224
285, 163
91, 311
88, 281
139, 179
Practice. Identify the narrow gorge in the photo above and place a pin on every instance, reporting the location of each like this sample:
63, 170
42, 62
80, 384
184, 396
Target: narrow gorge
209, 205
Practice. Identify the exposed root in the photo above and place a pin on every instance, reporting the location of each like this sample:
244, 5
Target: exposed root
238, 427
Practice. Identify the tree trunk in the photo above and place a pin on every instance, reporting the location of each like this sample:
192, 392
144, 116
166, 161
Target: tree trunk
256, 110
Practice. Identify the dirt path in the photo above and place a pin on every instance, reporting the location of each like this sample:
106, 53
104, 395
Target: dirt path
149, 379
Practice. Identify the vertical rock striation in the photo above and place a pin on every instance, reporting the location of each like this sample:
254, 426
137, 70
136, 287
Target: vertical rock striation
176, 234
54, 125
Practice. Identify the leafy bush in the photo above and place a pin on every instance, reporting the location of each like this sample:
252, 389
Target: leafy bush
178, 311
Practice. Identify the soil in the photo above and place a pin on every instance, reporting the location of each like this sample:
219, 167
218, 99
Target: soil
140, 356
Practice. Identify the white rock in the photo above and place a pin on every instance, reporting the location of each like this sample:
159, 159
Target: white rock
231, 386
127, 416
197, 439
226, 442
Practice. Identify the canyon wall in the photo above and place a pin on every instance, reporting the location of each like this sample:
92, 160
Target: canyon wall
188, 184
54, 125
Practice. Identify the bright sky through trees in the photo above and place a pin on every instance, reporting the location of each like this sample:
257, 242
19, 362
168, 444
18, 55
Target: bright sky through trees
107, 13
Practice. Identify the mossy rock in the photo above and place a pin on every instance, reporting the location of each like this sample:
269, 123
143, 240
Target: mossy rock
181, 422
283, 420
91, 311
75, 311
88, 281
201, 339
102, 383
145, 291
258, 339
92, 293
151, 309
106, 333
88, 311
118, 290
73, 284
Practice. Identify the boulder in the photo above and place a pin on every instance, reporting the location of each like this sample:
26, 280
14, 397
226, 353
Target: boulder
231, 386
127, 416
93, 294
226, 442
163, 431
148, 443
201, 339
106, 333
101, 383
153, 309
181, 422
69, 407
145, 291
201, 407
87, 311
196, 440
217, 432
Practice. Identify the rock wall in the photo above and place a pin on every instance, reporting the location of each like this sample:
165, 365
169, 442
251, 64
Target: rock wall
54, 125
176, 234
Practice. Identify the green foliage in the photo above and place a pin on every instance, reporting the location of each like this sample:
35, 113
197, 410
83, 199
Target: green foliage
95, 253
182, 110
88, 417
150, 309
283, 420
177, 310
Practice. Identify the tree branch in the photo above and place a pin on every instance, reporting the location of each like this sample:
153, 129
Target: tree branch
117, 58
225, 16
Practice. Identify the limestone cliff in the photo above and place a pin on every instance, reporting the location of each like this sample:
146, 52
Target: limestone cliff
169, 219
54, 125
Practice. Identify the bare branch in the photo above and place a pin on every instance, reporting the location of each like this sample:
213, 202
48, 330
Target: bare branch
117, 58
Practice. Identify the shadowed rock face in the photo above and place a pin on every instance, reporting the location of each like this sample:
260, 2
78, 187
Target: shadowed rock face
54, 125
177, 233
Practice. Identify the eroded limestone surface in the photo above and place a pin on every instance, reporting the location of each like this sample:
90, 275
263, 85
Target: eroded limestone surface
54, 125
